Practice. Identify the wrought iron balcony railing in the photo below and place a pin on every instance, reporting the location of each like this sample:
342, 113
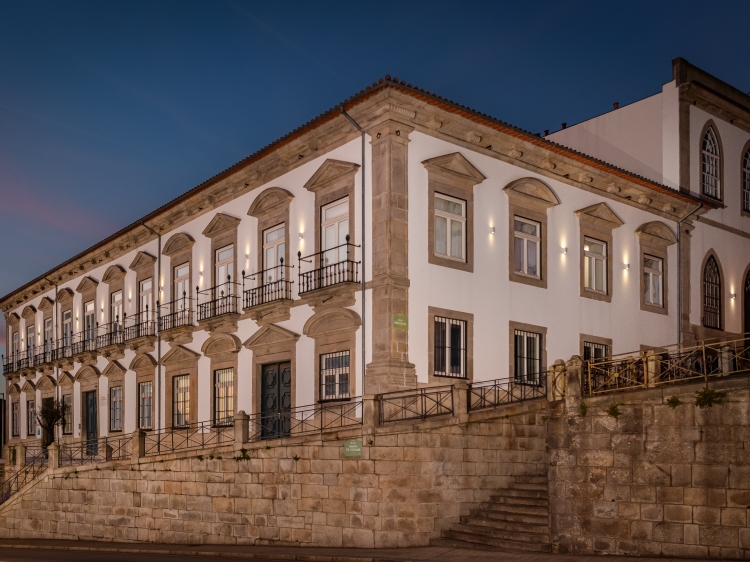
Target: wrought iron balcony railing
139, 325
177, 313
84, 341
63, 348
330, 267
271, 285
218, 300
302, 420
192, 436
111, 334
43, 353
417, 404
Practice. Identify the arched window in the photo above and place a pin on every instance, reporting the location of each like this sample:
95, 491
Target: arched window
747, 303
746, 181
711, 180
712, 295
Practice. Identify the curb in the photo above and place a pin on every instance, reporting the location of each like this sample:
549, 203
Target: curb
214, 553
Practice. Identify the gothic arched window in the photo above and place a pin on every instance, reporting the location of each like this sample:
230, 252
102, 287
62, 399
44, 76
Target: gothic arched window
712, 294
710, 165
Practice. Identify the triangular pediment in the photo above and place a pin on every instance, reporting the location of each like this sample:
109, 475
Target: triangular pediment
142, 260
113, 273
332, 172
87, 284
28, 386
46, 382
270, 201
532, 189
14, 319
600, 214
221, 343
177, 243
65, 379
64, 294
46, 304
28, 312
656, 232
14, 389
219, 224
270, 334
142, 361
456, 167
114, 368
179, 354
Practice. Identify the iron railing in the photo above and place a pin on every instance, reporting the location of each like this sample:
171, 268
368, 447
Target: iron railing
218, 300
271, 285
37, 455
646, 369
84, 341
111, 334
43, 353
328, 268
193, 436
10, 363
303, 420
177, 313
20, 478
92, 451
417, 404
490, 394
63, 348
139, 325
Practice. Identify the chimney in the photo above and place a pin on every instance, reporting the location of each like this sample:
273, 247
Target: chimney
546, 132
617, 105
564, 125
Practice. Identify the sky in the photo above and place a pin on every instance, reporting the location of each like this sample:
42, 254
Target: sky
110, 109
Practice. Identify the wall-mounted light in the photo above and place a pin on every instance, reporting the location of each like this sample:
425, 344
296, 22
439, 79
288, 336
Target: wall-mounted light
733, 295
200, 273
564, 250
301, 236
492, 230
627, 266
247, 256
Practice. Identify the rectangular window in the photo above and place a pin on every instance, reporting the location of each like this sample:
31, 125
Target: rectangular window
181, 287
274, 248
223, 396
145, 402
334, 228
450, 227
68, 417
67, 328
115, 408
89, 321
115, 311
14, 419
526, 242
48, 335
595, 265
450, 348
224, 265
16, 344
181, 401
30, 338
334, 376
653, 288
528, 356
593, 350
30, 418
145, 290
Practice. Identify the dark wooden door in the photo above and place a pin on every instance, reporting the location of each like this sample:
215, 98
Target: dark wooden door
91, 425
276, 400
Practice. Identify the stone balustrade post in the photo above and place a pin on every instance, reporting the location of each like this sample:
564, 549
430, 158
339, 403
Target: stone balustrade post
137, 446
725, 359
54, 455
370, 413
574, 374
20, 456
460, 399
240, 429
107, 452
556, 381
652, 372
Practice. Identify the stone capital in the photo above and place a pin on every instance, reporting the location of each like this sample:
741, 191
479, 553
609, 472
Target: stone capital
392, 130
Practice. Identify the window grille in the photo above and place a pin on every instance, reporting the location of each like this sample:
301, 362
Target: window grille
526, 242
593, 350
68, 417
30, 418
450, 227
334, 376
14, 419
712, 295
710, 165
181, 401
450, 348
528, 356
595, 265
223, 396
115, 408
653, 287
145, 404
746, 181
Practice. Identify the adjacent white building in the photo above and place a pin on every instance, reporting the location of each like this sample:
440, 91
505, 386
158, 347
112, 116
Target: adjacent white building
486, 252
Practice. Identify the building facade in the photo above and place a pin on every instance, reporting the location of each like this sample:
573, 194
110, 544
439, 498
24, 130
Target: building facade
486, 252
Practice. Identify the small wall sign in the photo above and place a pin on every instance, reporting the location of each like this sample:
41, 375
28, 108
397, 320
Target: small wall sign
400, 322
353, 448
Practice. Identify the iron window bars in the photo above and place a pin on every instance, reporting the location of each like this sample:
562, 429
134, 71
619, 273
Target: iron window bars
223, 396
334, 376
218, 300
271, 284
145, 404
527, 350
593, 350
326, 271
181, 401
450, 348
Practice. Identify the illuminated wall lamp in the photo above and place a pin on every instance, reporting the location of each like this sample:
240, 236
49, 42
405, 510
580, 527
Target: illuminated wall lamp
627, 266
564, 250
733, 295
492, 230
301, 236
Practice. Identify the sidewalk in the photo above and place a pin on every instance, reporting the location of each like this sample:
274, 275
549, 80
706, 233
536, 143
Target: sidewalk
312, 554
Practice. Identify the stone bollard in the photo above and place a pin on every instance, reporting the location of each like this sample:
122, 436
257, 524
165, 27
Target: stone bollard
20, 456
556, 381
240, 429
137, 446
54, 455
726, 360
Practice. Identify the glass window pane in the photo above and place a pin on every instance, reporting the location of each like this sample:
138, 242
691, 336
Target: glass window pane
337, 210
599, 275
646, 286
448, 206
457, 242
657, 288
441, 236
587, 272
518, 264
182, 271
532, 257
525, 227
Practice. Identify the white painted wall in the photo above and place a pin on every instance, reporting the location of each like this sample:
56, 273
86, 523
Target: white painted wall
629, 137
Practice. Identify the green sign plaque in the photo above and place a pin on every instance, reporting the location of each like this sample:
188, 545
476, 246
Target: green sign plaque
400, 322
353, 448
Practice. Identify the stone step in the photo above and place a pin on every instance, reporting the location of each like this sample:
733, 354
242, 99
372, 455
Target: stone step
506, 525
496, 533
517, 509
522, 493
496, 542
532, 479
533, 486
512, 500
536, 519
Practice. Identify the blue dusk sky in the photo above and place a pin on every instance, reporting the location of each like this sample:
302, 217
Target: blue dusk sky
110, 109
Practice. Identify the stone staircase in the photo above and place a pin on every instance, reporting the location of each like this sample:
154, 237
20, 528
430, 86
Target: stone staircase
515, 519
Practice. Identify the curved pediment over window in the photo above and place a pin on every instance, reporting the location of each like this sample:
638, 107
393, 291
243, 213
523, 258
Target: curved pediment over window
14, 389
142, 361
64, 295
14, 319
656, 232
113, 273
142, 260
28, 312
219, 344
178, 243
28, 386
87, 373
46, 304
46, 383
600, 215
270, 201
87, 284
332, 320
532, 190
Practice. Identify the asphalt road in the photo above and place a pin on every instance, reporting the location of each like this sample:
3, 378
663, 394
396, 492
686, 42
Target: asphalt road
26, 555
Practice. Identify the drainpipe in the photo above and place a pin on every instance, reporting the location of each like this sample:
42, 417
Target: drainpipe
364, 258
158, 334
54, 321
679, 274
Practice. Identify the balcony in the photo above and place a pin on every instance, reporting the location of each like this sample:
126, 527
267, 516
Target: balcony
84, 342
219, 304
111, 334
176, 314
271, 285
331, 268
141, 325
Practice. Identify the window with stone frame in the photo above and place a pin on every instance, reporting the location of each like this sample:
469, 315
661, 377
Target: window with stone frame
746, 181
594, 350
595, 265
145, 404
30, 418
181, 401
528, 357
527, 236
712, 295
450, 227
115, 408
223, 396
334, 376
15, 418
68, 415
450, 336
653, 280
711, 165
